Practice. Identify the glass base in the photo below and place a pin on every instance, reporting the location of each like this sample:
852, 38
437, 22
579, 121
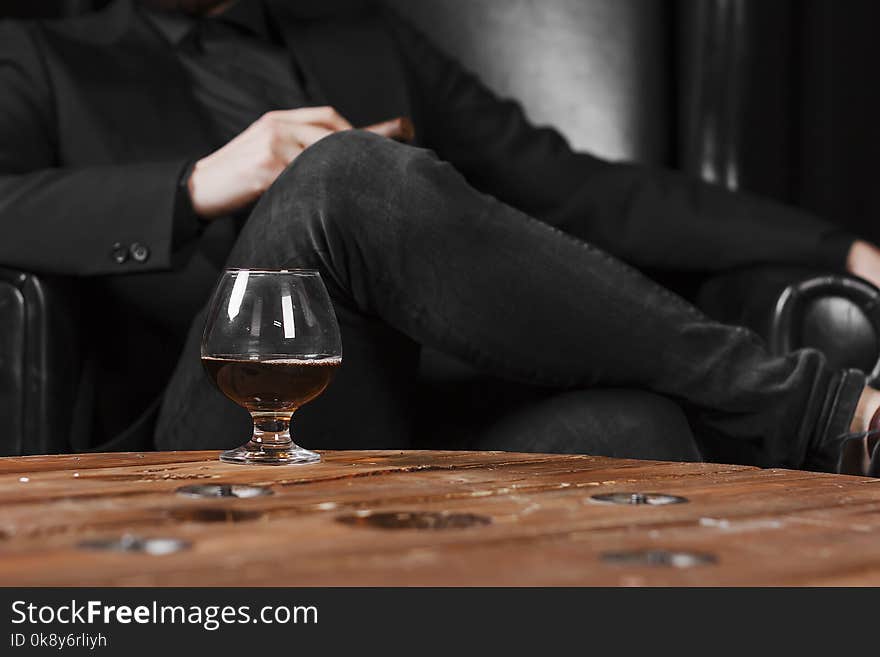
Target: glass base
262, 454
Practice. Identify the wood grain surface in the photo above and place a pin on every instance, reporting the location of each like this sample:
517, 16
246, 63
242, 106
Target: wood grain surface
488, 518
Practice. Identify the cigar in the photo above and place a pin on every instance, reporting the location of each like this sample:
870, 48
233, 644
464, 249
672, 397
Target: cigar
399, 129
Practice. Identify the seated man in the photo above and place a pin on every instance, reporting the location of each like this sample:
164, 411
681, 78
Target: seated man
134, 143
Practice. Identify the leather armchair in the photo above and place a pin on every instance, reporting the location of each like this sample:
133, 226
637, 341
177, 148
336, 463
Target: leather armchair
792, 309
601, 70
630, 93
789, 307
40, 362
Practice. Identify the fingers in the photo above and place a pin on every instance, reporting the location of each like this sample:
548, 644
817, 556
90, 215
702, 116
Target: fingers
240, 171
309, 134
399, 129
289, 139
323, 116
284, 151
292, 131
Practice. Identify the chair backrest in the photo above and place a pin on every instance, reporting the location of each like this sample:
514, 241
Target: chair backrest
599, 70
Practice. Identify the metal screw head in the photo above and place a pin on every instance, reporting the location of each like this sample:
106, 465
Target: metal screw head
223, 490
665, 558
132, 543
650, 499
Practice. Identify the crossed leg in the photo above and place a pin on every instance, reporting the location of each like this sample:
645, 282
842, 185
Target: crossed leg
412, 255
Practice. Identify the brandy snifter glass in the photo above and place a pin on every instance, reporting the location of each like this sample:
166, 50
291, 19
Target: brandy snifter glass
271, 344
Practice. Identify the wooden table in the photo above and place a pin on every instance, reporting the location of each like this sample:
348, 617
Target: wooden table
432, 518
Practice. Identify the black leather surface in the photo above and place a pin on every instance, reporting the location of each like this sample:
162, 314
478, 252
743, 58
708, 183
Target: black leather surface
39, 363
12, 385
712, 73
598, 70
839, 315
793, 308
842, 330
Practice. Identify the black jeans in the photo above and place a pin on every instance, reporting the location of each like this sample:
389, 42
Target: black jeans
412, 255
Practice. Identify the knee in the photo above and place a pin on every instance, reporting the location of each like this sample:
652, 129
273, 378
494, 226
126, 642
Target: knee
343, 163
339, 182
351, 144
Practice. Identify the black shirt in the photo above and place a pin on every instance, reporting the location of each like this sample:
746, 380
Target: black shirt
239, 70
238, 67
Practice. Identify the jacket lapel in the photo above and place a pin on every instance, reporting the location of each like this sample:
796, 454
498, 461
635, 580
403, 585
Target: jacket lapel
346, 56
127, 77
133, 83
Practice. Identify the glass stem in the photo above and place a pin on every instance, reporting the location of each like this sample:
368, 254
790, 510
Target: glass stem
272, 429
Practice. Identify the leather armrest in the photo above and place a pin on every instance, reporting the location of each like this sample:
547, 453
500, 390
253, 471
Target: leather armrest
793, 308
39, 362
12, 385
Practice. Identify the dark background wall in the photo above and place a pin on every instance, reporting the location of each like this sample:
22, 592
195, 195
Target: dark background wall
810, 125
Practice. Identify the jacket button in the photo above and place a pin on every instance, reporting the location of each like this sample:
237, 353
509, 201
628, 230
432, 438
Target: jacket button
119, 254
140, 252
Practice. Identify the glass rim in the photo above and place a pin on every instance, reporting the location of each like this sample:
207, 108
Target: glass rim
287, 270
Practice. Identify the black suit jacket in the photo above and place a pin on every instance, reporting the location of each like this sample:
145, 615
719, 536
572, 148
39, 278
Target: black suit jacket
97, 124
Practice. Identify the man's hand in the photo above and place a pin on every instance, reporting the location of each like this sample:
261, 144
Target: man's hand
864, 261
237, 174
